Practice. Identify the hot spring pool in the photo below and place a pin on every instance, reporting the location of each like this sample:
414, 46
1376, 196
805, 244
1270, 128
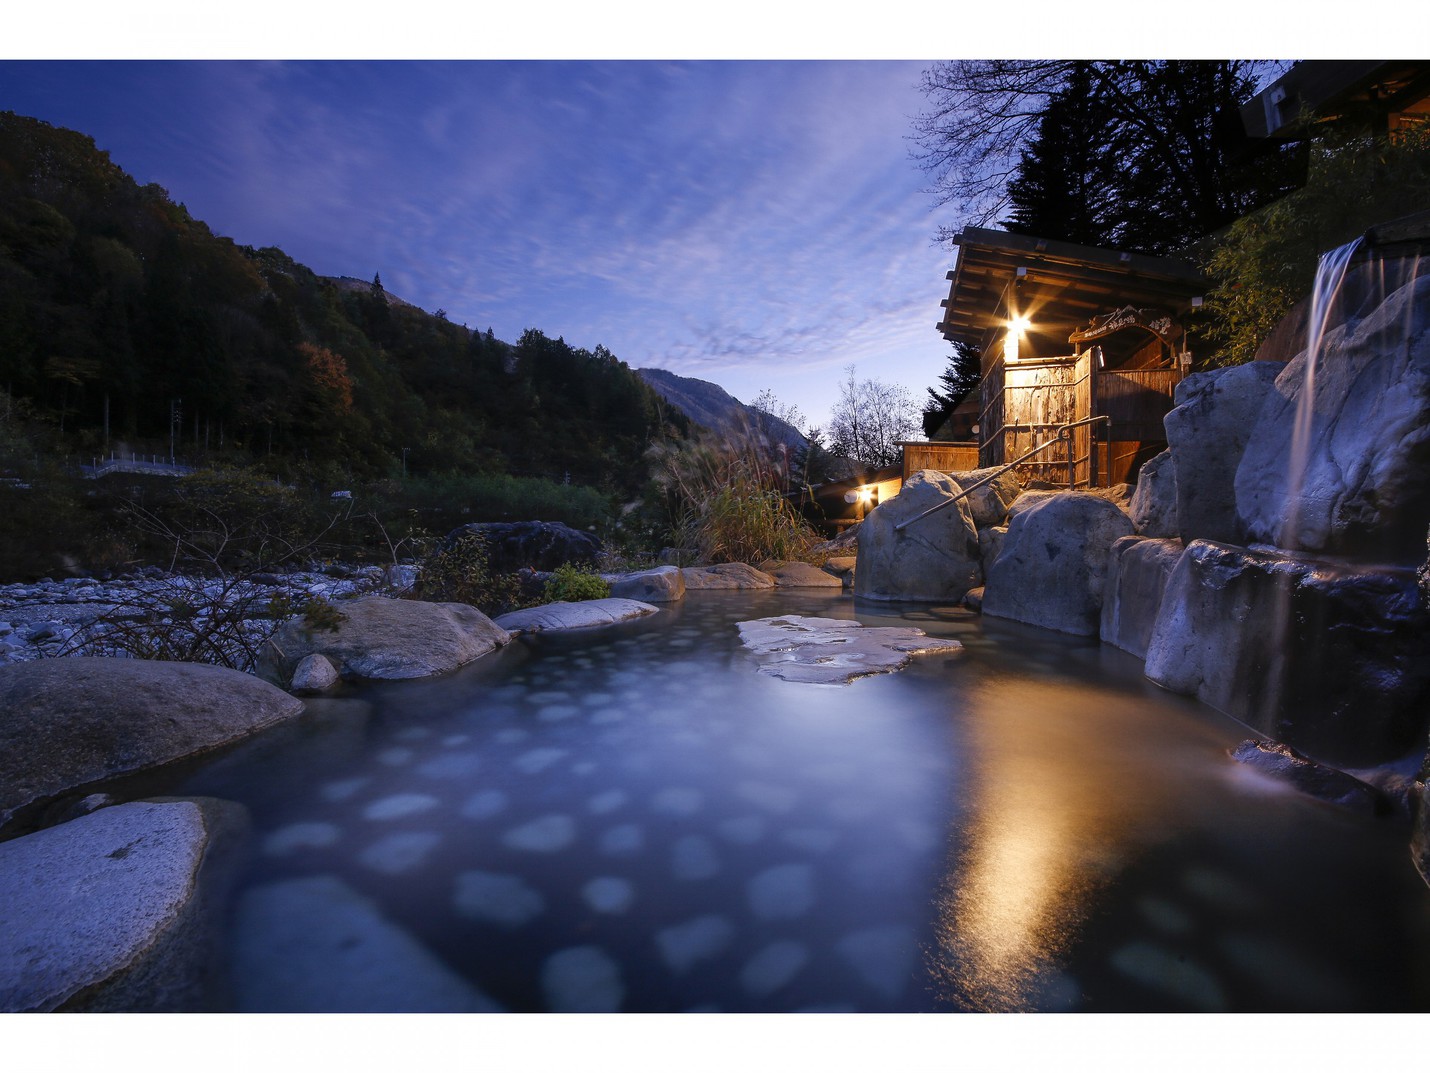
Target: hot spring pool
631, 818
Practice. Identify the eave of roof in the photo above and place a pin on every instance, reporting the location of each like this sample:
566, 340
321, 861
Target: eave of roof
1065, 283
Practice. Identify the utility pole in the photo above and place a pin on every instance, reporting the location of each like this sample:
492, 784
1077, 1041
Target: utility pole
176, 415
404, 462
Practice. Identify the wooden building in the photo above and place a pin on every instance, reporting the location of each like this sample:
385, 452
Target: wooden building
1081, 350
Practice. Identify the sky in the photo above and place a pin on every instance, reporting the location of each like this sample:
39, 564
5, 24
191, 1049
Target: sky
757, 224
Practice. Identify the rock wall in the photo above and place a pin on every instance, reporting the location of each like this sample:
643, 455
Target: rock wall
1330, 659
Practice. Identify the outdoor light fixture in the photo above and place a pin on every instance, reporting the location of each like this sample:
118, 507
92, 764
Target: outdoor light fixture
866, 495
1019, 325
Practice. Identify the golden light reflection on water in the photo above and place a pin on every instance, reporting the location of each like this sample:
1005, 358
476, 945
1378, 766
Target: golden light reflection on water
1057, 803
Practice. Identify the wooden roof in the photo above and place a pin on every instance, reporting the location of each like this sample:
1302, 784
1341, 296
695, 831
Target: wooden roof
1061, 288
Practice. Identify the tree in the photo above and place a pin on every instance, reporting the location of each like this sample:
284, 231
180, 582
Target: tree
957, 380
870, 419
1000, 133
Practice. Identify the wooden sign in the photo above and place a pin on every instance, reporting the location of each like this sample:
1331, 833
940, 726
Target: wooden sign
1156, 321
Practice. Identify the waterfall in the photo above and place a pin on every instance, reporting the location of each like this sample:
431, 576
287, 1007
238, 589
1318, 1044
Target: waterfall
1330, 275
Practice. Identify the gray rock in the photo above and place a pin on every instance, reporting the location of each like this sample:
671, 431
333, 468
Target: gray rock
663, 585
314, 945
582, 614
1207, 432
989, 503
1285, 764
1137, 573
727, 576
990, 544
314, 674
934, 559
1154, 502
795, 575
1366, 482
383, 638
1331, 658
67, 723
1053, 566
832, 651
115, 911
839, 565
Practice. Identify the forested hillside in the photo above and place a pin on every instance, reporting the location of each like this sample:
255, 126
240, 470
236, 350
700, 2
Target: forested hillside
124, 319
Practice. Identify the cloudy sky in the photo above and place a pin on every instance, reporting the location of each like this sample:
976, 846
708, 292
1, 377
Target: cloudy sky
758, 224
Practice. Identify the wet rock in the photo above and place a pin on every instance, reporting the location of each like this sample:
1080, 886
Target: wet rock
1154, 502
114, 911
1137, 573
535, 545
1332, 658
1282, 762
727, 576
1366, 485
582, 979
1207, 433
383, 638
314, 674
67, 723
832, 651
934, 559
796, 575
1053, 566
973, 599
990, 544
579, 615
1420, 821
989, 503
663, 585
314, 945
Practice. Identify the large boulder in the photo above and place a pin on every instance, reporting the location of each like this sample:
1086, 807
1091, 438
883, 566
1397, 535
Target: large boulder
663, 585
1137, 572
117, 910
726, 576
67, 723
989, 502
935, 559
1154, 502
1364, 486
535, 545
1328, 657
1207, 433
580, 614
383, 638
1052, 569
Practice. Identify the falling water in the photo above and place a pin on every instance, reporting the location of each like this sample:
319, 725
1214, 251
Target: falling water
1330, 276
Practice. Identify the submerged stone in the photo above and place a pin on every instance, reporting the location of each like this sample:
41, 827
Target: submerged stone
829, 651
574, 616
314, 945
684, 945
1282, 762
582, 979
505, 900
773, 967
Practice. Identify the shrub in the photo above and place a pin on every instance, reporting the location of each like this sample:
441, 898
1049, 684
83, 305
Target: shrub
571, 583
1266, 261
459, 571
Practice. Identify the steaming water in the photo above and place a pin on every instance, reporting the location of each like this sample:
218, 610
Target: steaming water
631, 818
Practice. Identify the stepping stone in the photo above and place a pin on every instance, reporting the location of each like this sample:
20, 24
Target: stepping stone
830, 651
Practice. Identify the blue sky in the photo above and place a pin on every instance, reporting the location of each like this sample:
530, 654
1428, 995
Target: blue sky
758, 224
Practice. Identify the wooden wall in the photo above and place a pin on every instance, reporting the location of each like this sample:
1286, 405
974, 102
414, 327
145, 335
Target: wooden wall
946, 457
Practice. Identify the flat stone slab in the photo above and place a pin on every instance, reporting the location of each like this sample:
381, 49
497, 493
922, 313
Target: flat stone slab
727, 576
797, 575
86, 906
833, 651
578, 615
65, 723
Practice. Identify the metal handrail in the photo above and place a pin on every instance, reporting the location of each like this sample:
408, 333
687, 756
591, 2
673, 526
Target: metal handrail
1062, 434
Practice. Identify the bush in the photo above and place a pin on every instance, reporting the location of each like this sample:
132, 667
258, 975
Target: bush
726, 501
571, 583
459, 571
1266, 261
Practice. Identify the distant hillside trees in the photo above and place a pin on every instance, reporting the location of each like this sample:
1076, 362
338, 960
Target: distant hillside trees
122, 318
